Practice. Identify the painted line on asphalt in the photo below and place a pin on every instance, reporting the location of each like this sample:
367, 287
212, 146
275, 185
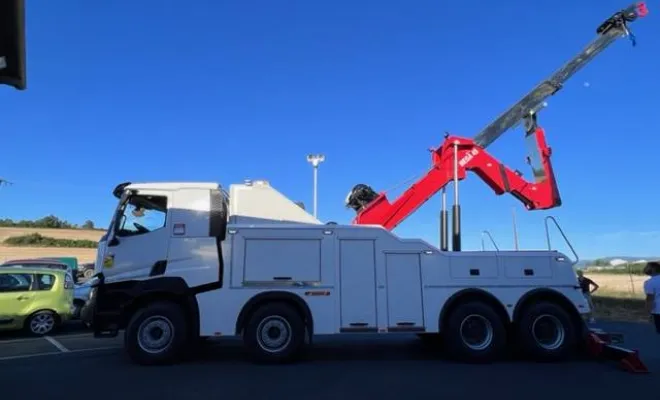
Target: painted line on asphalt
62, 336
35, 339
57, 344
54, 353
20, 340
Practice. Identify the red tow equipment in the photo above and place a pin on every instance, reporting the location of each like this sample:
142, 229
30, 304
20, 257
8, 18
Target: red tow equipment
452, 160
603, 345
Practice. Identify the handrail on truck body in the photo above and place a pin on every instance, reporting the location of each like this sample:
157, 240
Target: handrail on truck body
568, 242
487, 233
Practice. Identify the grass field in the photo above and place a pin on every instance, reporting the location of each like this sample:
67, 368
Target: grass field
620, 297
83, 255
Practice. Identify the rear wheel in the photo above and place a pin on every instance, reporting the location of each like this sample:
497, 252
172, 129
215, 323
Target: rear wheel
275, 333
475, 333
157, 334
546, 332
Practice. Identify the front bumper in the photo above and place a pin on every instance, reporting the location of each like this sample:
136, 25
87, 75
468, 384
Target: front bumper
104, 323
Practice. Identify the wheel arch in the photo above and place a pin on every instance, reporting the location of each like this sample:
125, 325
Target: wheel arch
58, 318
172, 289
275, 296
472, 294
547, 295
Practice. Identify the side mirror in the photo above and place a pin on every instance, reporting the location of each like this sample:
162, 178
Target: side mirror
12, 43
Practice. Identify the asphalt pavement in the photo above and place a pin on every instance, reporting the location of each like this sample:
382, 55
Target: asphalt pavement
74, 365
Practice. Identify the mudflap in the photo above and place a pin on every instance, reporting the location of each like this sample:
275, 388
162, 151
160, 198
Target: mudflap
604, 345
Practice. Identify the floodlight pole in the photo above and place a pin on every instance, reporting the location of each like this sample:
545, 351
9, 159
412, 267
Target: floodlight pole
315, 160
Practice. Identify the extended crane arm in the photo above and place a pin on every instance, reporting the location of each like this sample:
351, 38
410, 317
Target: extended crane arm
613, 28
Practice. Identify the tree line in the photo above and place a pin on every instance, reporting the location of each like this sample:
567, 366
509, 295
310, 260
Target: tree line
37, 240
49, 221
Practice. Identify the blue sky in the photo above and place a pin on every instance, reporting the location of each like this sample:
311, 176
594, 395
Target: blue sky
228, 90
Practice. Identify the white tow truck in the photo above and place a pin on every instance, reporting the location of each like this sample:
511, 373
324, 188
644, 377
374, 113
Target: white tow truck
184, 261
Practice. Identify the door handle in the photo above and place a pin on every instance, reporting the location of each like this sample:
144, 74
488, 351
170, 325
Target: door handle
23, 297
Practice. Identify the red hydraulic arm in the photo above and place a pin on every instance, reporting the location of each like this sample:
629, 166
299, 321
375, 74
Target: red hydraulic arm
452, 160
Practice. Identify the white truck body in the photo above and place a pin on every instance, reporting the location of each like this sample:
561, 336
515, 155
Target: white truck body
351, 278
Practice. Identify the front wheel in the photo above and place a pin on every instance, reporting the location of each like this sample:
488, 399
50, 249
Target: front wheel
546, 332
157, 334
275, 333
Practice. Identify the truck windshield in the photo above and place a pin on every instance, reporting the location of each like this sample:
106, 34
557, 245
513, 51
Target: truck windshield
142, 214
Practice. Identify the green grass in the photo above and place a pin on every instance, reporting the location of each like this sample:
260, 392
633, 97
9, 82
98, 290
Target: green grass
37, 240
619, 306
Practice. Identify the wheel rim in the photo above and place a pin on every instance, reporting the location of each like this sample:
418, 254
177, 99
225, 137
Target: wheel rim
476, 332
155, 334
42, 323
548, 332
273, 334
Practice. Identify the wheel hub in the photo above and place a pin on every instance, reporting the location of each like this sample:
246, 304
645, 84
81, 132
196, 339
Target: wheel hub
476, 332
155, 334
273, 334
548, 332
42, 323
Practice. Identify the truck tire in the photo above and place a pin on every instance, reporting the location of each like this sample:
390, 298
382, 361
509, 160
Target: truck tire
275, 333
475, 333
546, 332
157, 334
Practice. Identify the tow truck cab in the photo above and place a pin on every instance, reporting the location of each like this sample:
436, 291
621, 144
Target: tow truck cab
166, 239
152, 227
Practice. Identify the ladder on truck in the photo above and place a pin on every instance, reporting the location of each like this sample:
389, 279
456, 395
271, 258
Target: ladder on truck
457, 155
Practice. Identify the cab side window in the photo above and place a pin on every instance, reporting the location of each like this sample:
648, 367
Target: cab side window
15, 282
142, 214
45, 281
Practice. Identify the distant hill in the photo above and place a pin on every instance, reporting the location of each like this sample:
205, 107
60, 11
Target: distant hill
83, 255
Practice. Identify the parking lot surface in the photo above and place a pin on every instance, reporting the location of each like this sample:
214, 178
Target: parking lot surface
359, 367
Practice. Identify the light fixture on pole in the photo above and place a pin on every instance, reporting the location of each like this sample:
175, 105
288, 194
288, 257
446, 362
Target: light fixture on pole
315, 160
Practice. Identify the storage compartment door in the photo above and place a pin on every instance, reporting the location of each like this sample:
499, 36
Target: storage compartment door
358, 285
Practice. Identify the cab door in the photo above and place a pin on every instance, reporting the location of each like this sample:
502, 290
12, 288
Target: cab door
138, 243
15, 299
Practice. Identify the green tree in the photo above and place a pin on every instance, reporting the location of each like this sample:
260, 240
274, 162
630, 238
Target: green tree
89, 224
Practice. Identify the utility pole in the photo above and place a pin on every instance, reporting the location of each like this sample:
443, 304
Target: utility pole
315, 160
515, 229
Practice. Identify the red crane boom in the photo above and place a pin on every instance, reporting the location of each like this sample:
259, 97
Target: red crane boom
457, 155
451, 161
